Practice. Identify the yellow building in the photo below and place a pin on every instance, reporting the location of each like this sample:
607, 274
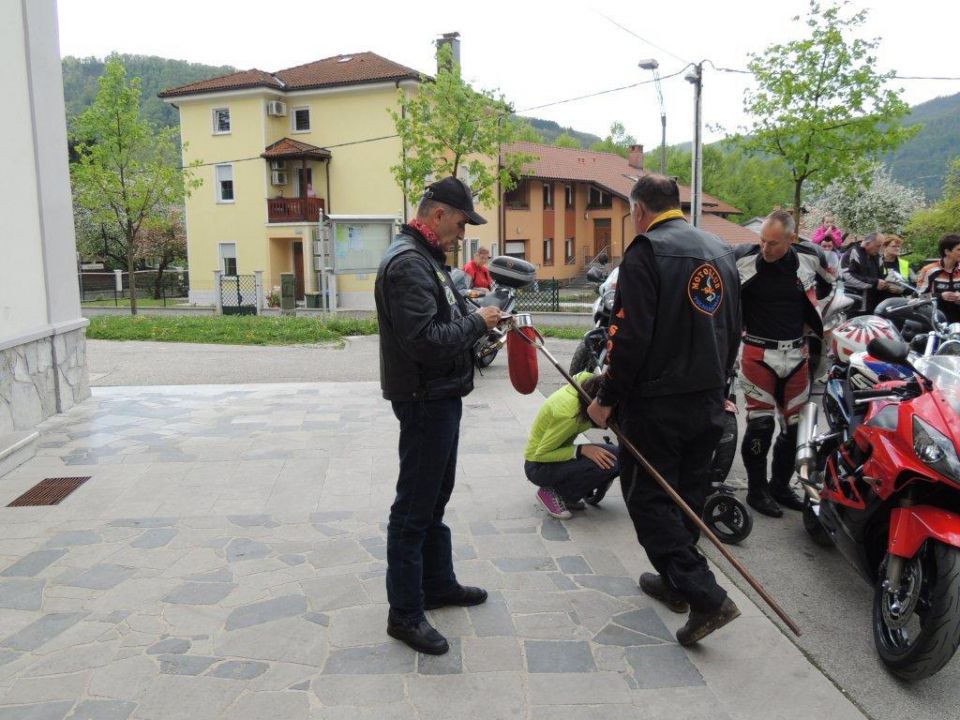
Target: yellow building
279, 148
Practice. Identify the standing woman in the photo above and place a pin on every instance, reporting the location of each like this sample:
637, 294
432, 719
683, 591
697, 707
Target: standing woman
943, 278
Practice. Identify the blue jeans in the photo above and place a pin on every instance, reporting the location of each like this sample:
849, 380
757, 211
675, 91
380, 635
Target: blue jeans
419, 550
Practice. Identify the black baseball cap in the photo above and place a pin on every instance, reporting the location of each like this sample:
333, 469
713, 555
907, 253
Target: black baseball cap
455, 193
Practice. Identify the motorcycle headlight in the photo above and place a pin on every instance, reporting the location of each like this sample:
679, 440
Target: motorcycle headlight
608, 301
935, 449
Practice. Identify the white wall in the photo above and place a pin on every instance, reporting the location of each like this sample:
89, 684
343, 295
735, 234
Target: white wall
39, 294
23, 305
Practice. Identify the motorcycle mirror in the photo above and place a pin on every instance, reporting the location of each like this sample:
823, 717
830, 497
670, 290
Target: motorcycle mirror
887, 350
894, 351
603, 258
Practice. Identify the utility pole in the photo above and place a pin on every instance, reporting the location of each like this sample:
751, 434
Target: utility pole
653, 64
695, 77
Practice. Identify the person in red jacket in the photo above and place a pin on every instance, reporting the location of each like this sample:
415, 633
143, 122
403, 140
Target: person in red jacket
477, 270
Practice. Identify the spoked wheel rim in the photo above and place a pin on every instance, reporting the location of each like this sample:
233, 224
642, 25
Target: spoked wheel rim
727, 518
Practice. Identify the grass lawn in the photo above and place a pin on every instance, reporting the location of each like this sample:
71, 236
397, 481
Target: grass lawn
250, 330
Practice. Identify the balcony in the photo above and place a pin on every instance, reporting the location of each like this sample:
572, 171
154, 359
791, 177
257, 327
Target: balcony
285, 210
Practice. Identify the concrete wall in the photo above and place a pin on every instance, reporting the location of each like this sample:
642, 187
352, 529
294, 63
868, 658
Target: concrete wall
42, 358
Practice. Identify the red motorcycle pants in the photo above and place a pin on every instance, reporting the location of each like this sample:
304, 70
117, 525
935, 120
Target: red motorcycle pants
774, 381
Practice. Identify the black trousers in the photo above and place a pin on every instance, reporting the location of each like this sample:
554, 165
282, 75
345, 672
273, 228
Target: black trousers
677, 435
419, 550
572, 479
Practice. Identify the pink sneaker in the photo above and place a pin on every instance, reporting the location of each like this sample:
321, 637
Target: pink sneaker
553, 504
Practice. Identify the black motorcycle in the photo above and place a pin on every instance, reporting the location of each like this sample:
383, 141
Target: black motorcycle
591, 353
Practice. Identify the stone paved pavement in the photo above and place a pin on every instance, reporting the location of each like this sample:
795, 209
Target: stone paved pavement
226, 559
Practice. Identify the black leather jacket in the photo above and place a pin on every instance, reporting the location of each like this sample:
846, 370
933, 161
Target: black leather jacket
676, 317
426, 331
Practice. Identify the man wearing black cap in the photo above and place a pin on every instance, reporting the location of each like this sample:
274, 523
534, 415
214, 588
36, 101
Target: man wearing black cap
426, 366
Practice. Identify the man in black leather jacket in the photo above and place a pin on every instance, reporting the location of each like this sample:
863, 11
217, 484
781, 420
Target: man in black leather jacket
674, 336
426, 366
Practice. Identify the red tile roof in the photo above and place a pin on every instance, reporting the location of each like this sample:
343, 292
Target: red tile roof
339, 70
606, 170
728, 231
287, 148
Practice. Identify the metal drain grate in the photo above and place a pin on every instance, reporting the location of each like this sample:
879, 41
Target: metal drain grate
49, 491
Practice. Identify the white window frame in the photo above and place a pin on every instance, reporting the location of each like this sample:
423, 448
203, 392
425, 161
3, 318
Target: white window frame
547, 196
293, 119
511, 245
548, 251
224, 258
216, 124
569, 250
218, 188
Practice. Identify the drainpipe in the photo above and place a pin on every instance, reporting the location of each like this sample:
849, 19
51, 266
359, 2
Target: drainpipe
326, 210
403, 155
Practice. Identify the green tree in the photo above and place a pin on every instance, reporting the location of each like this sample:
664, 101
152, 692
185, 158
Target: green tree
820, 104
527, 132
618, 141
927, 226
448, 128
566, 140
127, 175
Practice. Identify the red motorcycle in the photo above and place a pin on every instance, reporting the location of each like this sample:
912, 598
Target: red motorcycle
883, 485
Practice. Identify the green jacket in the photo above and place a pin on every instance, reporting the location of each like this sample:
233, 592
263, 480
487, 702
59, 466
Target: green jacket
557, 425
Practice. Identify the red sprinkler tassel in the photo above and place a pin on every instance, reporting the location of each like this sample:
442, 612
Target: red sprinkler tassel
522, 360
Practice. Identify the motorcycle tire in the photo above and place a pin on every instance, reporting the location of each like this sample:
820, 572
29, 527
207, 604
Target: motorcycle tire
938, 636
811, 523
583, 359
727, 518
726, 451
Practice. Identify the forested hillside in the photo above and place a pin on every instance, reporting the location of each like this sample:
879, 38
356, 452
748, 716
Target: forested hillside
923, 161
80, 77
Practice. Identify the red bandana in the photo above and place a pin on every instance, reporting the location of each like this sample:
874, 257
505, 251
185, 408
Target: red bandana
428, 234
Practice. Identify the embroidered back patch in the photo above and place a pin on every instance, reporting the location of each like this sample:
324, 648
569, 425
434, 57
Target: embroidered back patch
705, 289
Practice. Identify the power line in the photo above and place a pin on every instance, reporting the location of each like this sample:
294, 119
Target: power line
894, 77
391, 137
639, 37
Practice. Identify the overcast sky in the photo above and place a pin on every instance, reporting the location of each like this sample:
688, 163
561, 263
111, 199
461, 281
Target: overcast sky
534, 52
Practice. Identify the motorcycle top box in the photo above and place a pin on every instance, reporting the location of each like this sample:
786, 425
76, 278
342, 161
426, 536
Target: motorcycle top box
512, 272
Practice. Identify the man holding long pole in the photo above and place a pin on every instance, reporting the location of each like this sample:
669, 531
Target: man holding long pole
673, 341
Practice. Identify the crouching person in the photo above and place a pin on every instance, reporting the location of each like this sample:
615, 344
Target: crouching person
568, 474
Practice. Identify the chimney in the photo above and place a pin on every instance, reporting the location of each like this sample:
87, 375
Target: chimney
453, 40
636, 157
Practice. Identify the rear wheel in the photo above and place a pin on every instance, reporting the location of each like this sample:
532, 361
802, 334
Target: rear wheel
583, 359
485, 360
916, 628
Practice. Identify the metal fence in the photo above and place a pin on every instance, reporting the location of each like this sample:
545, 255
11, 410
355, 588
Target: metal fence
171, 286
238, 294
542, 296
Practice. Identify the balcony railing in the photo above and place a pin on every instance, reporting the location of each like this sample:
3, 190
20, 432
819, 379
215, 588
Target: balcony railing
281, 210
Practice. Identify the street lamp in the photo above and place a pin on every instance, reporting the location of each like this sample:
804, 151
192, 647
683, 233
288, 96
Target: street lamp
652, 64
695, 77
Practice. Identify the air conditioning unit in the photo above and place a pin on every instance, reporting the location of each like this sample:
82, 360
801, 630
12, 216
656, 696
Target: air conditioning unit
278, 164
278, 177
277, 108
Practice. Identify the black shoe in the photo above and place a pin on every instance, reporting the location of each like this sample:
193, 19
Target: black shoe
460, 595
654, 586
765, 505
418, 634
597, 495
701, 624
786, 497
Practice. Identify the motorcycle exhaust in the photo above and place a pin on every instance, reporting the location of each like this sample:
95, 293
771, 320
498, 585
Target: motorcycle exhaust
806, 432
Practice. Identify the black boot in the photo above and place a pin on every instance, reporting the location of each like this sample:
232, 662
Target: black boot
418, 634
781, 470
756, 444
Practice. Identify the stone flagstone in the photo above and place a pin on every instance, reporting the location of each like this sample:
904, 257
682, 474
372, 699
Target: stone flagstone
31, 564
263, 612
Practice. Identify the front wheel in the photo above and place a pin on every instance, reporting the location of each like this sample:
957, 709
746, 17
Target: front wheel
916, 627
583, 359
727, 518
